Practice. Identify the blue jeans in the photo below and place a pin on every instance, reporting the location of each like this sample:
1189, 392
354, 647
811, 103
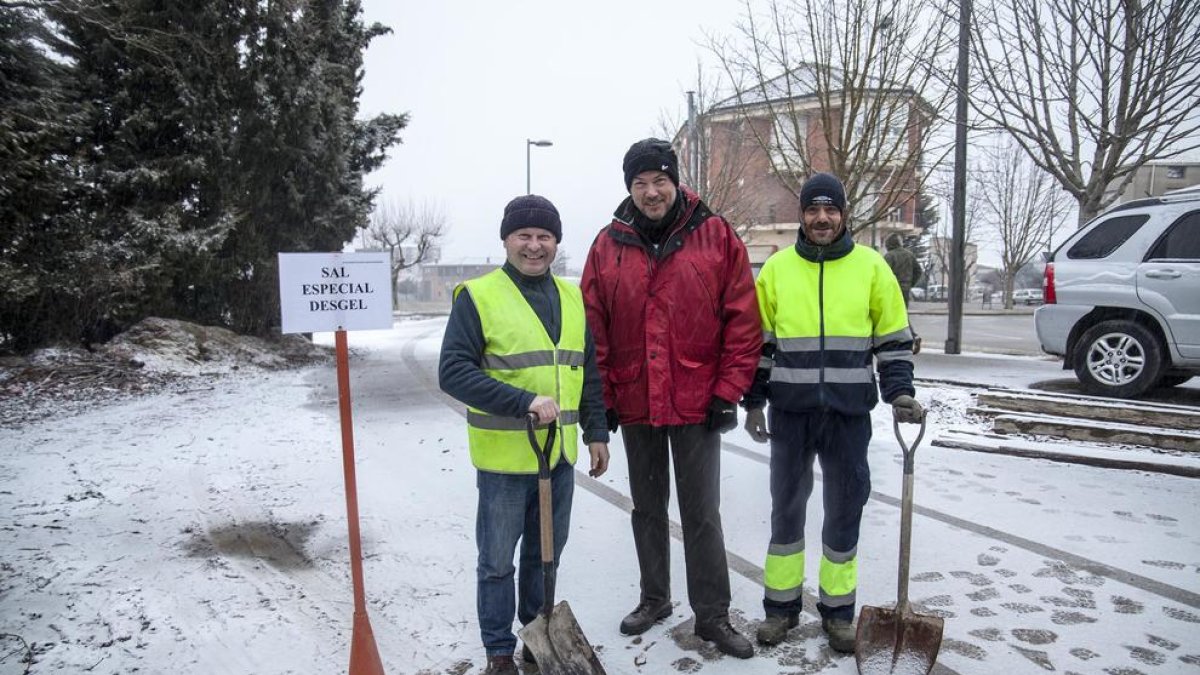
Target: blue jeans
508, 512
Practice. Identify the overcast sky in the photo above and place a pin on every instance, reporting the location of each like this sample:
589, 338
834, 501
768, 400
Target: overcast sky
480, 77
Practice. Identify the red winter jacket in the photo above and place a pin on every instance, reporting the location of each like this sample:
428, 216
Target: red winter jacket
672, 330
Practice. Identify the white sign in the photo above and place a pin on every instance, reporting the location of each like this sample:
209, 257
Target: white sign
335, 291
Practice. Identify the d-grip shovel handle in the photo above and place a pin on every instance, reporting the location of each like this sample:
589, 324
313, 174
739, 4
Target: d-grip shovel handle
545, 505
906, 511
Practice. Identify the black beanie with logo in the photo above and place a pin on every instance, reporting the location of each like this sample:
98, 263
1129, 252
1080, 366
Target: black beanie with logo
531, 211
650, 154
823, 189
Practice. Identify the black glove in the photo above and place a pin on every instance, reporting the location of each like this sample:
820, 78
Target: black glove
722, 415
610, 415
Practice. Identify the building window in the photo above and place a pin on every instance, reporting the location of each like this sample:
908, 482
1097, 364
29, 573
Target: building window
1175, 171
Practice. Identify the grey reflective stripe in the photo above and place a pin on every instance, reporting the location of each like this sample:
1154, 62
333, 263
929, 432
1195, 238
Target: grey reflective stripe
494, 423
902, 335
768, 336
812, 344
518, 361
839, 557
786, 549
782, 596
765, 362
567, 357
894, 355
813, 375
837, 600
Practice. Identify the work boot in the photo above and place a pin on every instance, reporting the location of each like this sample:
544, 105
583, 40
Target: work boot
774, 628
644, 616
501, 664
727, 639
526, 655
841, 635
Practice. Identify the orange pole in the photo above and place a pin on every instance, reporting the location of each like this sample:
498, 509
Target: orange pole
364, 655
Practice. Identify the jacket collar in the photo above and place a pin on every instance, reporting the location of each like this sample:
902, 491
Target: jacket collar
693, 213
838, 248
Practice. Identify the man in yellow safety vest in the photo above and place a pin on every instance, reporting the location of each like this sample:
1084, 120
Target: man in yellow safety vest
517, 342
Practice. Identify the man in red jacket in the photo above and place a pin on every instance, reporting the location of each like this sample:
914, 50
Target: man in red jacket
671, 305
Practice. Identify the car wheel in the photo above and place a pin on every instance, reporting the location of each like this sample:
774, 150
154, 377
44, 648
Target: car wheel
1118, 358
1172, 380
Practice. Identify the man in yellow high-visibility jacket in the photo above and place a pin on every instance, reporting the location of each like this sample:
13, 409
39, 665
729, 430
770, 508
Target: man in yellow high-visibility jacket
829, 308
517, 342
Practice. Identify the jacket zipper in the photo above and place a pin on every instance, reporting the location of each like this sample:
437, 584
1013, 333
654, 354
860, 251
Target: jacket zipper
821, 327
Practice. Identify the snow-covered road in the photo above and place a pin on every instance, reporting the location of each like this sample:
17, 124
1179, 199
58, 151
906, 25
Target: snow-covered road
204, 532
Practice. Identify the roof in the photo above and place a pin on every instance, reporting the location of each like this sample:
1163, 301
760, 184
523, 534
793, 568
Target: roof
797, 83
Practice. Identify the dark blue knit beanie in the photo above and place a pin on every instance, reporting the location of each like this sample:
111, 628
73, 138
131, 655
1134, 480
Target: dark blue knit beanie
823, 189
531, 211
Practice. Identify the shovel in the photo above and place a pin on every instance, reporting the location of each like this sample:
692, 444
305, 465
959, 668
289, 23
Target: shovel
899, 640
554, 637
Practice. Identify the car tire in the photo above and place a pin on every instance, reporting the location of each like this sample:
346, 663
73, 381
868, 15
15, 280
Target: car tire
1118, 358
1172, 380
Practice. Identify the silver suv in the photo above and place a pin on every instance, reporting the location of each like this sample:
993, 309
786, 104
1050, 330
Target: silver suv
1123, 298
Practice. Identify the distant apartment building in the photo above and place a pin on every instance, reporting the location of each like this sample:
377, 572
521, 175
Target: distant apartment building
437, 280
739, 141
1155, 179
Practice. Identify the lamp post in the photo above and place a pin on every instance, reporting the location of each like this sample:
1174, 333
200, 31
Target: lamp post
529, 143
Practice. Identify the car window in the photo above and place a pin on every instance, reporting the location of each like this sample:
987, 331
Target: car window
1106, 237
1180, 242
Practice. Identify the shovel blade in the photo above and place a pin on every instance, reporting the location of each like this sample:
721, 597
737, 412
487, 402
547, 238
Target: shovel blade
559, 645
900, 643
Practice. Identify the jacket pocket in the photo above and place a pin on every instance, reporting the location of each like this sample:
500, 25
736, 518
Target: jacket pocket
695, 376
628, 386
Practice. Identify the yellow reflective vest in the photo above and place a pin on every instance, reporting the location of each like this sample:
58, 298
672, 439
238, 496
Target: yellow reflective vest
517, 351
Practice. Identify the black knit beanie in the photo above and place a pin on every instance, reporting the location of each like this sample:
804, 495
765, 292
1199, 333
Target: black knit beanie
531, 211
823, 189
650, 154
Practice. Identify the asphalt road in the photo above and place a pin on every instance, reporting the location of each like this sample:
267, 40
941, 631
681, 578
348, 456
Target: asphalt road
990, 333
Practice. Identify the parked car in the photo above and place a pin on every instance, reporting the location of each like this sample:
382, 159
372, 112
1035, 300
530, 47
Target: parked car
1027, 296
918, 293
1122, 298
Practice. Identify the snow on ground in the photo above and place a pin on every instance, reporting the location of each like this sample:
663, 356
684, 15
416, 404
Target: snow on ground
201, 529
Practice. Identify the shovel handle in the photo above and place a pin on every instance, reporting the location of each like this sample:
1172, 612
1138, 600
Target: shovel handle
545, 506
909, 450
906, 512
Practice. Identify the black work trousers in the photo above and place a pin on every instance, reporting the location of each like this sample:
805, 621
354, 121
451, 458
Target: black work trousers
696, 452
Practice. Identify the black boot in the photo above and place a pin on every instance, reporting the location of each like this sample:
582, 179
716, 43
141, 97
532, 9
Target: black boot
727, 639
841, 635
774, 628
644, 616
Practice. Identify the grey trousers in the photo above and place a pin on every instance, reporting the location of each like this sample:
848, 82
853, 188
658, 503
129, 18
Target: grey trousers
696, 452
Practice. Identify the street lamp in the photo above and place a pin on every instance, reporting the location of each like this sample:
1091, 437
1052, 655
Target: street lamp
529, 143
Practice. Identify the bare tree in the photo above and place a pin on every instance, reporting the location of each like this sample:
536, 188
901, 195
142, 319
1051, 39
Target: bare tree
720, 178
1023, 205
561, 263
410, 233
940, 246
1090, 89
846, 86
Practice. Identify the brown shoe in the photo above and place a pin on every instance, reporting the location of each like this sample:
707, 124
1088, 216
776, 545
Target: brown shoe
501, 664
